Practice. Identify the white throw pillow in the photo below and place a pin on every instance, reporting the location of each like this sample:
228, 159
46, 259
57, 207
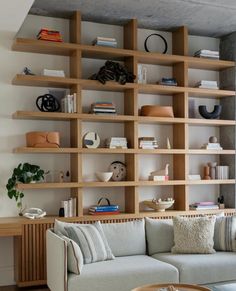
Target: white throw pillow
75, 259
193, 235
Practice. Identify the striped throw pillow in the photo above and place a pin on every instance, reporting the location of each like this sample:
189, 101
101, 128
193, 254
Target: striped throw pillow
92, 242
225, 234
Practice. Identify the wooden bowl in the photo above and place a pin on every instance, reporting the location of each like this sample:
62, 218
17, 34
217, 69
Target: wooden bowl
157, 111
158, 206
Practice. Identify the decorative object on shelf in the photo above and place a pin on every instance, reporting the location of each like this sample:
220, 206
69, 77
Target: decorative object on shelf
221, 201
47, 103
116, 143
168, 82
191, 108
168, 145
114, 71
212, 166
104, 176
27, 71
222, 172
203, 53
119, 171
206, 173
210, 115
212, 144
157, 111
161, 175
43, 139
105, 41
103, 108
159, 205
49, 35
61, 177
160, 36
68, 208
53, 73
194, 177
104, 209
205, 205
205, 84
34, 213
142, 74
23, 173
148, 142
91, 140
68, 103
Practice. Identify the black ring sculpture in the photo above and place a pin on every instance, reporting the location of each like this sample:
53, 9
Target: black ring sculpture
210, 115
47, 103
165, 42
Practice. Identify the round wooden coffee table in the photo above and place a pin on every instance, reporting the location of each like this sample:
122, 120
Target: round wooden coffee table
177, 287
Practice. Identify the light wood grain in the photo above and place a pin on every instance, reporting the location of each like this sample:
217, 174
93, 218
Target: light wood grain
180, 41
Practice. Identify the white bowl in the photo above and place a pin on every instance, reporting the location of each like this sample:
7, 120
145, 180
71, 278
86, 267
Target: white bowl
104, 176
159, 206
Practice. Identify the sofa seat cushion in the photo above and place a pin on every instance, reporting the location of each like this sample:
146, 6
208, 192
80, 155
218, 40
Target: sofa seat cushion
202, 268
122, 274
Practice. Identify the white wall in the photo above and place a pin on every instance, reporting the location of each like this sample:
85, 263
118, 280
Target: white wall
23, 98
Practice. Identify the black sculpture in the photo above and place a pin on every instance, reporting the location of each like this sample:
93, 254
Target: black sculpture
47, 103
210, 115
113, 71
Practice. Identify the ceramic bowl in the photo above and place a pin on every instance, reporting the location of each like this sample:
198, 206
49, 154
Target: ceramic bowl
159, 206
157, 111
104, 176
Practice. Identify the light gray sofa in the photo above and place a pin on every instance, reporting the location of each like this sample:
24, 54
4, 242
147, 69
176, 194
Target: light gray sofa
142, 256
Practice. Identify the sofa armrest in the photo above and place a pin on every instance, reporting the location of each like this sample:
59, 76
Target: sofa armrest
56, 262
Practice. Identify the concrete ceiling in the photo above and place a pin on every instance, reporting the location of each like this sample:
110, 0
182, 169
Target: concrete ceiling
203, 17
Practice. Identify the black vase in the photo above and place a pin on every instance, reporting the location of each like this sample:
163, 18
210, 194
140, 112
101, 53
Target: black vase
210, 115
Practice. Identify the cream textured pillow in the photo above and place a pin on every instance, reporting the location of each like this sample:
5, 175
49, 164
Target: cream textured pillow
193, 235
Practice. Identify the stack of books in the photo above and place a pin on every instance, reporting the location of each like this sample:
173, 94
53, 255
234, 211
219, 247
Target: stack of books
104, 210
207, 84
105, 41
69, 207
68, 104
50, 35
212, 146
148, 143
207, 54
205, 205
103, 108
116, 142
222, 172
168, 82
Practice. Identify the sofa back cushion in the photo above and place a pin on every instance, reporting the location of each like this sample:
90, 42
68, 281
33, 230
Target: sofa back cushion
160, 235
126, 238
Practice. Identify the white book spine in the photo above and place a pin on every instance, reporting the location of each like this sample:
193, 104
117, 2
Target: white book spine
65, 206
70, 207
74, 103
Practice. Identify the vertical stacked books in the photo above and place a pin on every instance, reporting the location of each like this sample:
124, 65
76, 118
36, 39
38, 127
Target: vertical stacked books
105, 41
69, 207
104, 209
49, 34
222, 172
68, 104
103, 108
207, 54
148, 143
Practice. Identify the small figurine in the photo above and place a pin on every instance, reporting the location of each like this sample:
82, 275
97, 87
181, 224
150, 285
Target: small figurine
163, 172
61, 177
27, 71
168, 143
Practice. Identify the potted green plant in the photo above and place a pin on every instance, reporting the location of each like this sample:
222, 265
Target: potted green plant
23, 173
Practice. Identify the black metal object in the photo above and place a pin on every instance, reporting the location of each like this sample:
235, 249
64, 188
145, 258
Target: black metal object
210, 115
113, 71
47, 103
156, 34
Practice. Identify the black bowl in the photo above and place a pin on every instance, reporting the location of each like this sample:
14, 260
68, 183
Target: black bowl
210, 115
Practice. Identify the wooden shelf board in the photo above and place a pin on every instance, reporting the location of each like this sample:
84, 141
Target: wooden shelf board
209, 64
161, 183
106, 118
163, 120
96, 184
37, 115
27, 150
106, 151
109, 86
44, 81
159, 89
210, 182
210, 122
43, 47
47, 186
210, 152
209, 93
